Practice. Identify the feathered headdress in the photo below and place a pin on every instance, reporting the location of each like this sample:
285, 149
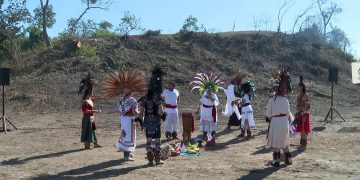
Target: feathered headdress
282, 76
203, 81
120, 83
249, 86
86, 85
237, 79
157, 79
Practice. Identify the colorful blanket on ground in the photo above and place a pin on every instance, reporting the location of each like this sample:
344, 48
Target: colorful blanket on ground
191, 150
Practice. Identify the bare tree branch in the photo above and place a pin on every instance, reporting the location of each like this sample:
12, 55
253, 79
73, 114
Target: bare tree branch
281, 13
301, 15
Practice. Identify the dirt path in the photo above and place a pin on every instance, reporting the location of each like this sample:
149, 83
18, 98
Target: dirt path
47, 147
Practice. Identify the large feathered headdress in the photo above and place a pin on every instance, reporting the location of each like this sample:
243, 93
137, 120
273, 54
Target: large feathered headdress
282, 76
121, 83
248, 85
203, 81
157, 79
86, 85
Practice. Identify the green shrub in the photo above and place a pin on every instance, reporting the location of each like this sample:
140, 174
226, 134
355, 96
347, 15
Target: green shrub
87, 50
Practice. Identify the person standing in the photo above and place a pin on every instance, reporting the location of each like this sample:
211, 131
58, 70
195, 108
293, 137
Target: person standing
126, 84
88, 126
208, 85
151, 112
303, 115
247, 121
278, 114
171, 97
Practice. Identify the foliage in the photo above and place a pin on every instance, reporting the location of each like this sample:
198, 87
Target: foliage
337, 38
105, 25
129, 23
190, 24
12, 21
38, 17
82, 29
87, 50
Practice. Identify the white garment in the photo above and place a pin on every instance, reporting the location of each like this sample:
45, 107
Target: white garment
171, 97
230, 97
172, 122
247, 112
278, 135
207, 123
127, 140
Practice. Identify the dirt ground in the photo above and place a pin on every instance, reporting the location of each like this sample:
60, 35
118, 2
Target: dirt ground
47, 146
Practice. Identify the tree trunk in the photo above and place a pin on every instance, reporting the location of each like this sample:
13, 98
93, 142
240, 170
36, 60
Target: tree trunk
44, 28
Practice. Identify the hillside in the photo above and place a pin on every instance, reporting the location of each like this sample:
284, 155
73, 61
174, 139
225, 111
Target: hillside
48, 78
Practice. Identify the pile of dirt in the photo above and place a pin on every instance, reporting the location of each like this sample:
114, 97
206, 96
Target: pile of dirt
51, 81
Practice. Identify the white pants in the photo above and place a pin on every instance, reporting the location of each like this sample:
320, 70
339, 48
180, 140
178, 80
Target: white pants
172, 122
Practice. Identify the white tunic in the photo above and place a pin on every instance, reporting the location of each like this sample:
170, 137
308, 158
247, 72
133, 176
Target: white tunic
171, 97
207, 122
278, 135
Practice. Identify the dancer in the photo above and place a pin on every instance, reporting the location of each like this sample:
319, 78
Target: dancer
126, 84
88, 126
171, 97
303, 115
208, 85
151, 111
278, 113
233, 106
247, 121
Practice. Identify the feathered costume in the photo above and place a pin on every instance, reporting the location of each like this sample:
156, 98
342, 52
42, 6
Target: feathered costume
208, 113
125, 84
152, 120
248, 87
88, 125
303, 115
280, 117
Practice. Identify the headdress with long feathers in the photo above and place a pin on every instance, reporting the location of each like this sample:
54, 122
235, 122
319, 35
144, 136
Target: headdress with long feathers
282, 76
203, 81
157, 79
120, 83
86, 85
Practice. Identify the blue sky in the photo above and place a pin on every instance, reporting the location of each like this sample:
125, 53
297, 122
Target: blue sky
217, 15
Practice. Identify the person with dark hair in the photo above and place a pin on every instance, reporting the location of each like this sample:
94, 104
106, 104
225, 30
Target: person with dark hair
247, 121
171, 97
125, 85
278, 114
88, 125
303, 115
151, 112
208, 85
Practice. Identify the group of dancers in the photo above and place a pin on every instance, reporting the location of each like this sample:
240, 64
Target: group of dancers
157, 105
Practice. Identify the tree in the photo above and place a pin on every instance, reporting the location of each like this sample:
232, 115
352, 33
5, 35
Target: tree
129, 23
44, 17
91, 4
301, 15
190, 24
337, 38
81, 28
327, 9
282, 12
12, 20
105, 25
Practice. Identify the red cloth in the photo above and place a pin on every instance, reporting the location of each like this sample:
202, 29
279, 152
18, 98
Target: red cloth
189, 116
85, 107
129, 112
213, 111
300, 117
170, 106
